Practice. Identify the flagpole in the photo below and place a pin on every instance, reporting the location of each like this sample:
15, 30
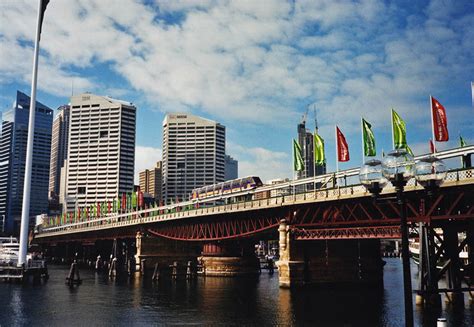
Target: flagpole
432, 124
25, 212
362, 137
393, 135
337, 154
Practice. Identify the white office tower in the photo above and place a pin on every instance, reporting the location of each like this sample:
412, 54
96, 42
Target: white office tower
101, 153
58, 149
193, 155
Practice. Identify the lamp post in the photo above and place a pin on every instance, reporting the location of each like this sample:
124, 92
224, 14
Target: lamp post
430, 173
397, 167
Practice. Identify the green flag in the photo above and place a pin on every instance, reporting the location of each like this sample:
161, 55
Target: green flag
134, 200
462, 142
319, 157
298, 164
407, 147
369, 139
399, 131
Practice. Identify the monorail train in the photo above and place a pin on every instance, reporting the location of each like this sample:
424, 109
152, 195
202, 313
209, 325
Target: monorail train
228, 187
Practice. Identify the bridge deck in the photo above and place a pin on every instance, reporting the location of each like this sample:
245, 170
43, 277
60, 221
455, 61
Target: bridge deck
154, 216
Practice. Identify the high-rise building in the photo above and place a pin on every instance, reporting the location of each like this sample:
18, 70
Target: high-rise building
193, 154
150, 181
59, 143
101, 150
306, 142
231, 168
13, 143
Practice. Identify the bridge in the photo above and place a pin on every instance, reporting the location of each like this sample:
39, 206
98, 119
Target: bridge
329, 226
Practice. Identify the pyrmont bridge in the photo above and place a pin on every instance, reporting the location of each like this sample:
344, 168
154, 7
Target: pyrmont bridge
329, 229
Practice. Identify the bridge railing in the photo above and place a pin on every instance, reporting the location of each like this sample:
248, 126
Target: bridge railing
157, 214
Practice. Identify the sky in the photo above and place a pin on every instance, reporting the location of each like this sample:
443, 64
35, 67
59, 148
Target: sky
254, 66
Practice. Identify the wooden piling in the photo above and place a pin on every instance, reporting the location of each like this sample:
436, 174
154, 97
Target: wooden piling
174, 270
73, 277
156, 273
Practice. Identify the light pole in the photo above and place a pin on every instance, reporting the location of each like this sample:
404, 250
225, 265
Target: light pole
397, 167
430, 173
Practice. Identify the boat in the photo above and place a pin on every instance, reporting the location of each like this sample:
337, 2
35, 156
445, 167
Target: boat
9, 250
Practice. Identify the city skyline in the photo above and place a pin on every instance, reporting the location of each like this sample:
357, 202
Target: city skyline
256, 67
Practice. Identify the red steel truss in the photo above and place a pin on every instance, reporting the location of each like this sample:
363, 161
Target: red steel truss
216, 230
301, 234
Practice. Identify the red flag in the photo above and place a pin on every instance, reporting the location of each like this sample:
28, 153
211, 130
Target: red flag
140, 198
109, 206
124, 201
440, 121
432, 147
342, 147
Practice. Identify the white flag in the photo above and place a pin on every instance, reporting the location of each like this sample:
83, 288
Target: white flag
472, 93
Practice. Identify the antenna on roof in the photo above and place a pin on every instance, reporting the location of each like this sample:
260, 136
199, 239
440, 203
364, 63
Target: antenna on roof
303, 118
315, 118
72, 87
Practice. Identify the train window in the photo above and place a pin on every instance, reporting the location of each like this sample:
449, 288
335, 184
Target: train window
226, 186
258, 181
236, 184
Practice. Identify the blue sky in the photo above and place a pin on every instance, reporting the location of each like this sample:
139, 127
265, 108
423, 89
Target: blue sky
254, 66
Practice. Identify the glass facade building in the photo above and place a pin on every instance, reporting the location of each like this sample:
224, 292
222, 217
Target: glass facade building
13, 142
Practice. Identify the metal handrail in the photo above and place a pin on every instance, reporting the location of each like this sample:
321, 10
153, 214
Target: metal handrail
312, 195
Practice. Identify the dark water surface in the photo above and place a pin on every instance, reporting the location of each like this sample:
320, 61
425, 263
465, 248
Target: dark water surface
211, 301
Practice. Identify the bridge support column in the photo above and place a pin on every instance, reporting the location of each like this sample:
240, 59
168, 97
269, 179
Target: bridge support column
290, 271
331, 262
454, 275
151, 251
138, 252
427, 273
228, 259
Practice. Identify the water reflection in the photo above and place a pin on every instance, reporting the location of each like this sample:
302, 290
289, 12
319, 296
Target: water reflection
211, 301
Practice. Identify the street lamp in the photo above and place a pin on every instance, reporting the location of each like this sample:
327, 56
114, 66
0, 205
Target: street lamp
371, 177
430, 173
397, 167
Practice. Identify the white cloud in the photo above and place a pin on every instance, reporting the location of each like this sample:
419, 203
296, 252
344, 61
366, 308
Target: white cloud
145, 158
260, 162
258, 61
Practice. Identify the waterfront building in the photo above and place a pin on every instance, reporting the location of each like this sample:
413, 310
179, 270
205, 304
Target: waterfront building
231, 168
150, 182
101, 151
59, 145
193, 154
13, 142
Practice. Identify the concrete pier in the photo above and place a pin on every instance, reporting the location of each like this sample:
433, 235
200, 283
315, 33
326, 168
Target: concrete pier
342, 262
227, 259
171, 256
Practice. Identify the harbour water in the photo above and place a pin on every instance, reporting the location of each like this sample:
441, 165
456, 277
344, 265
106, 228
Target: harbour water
212, 301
